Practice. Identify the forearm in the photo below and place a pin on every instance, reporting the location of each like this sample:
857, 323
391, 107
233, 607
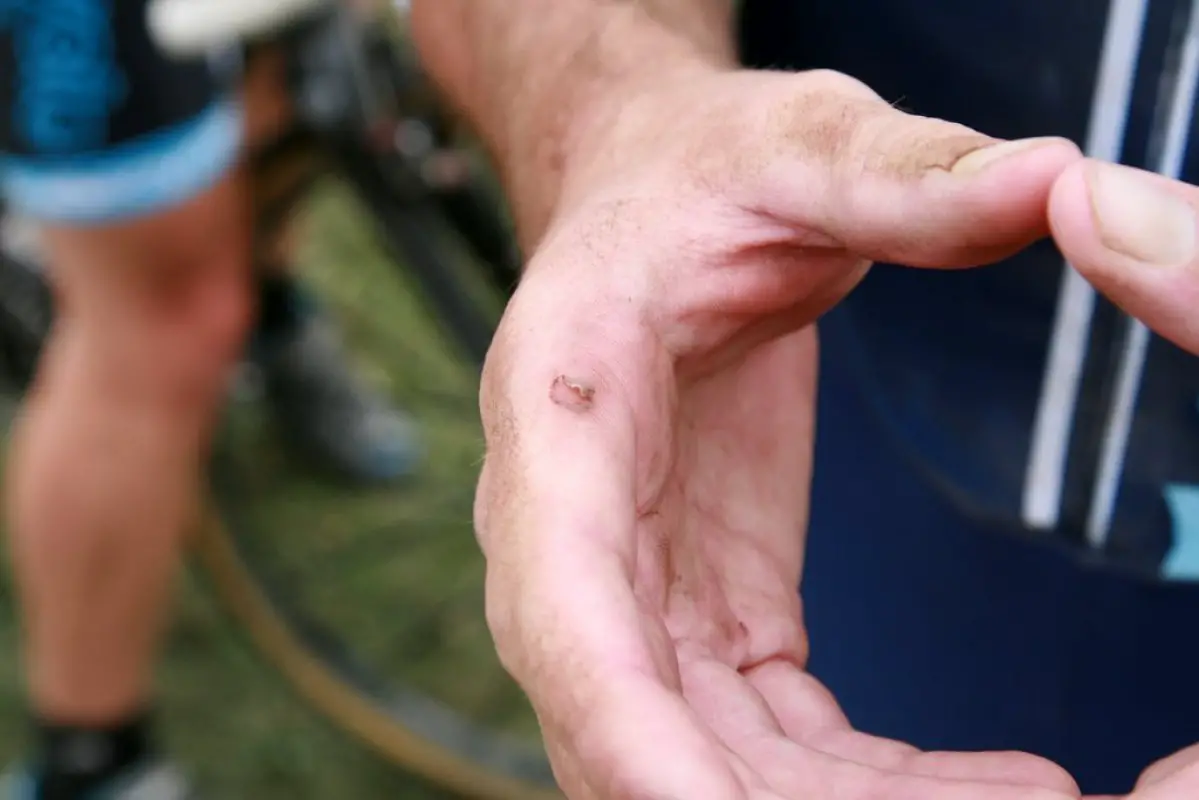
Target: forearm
536, 77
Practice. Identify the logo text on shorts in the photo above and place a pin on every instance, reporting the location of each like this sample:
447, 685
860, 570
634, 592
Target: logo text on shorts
67, 78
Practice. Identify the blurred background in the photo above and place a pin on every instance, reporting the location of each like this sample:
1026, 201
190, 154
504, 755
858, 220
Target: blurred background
330, 640
381, 588
229, 718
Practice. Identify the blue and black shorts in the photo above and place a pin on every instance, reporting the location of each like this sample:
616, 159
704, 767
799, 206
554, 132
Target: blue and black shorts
98, 124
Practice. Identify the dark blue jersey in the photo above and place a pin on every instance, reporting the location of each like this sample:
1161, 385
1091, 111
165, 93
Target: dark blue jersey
1012, 388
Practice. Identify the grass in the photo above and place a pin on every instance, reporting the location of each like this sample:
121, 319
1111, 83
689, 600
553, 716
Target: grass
395, 569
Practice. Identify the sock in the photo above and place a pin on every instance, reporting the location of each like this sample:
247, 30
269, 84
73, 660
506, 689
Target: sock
279, 305
78, 760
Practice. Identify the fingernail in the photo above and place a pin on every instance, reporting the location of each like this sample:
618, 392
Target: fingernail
1137, 218
977, 160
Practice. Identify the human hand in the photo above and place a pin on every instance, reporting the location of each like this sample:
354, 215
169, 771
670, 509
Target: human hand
1132, 234
1175, 777
648, 408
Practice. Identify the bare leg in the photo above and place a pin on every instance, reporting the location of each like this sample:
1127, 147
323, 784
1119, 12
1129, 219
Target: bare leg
104, 468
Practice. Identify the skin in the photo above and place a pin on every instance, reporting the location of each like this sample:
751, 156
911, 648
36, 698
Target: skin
105, 462
648, 400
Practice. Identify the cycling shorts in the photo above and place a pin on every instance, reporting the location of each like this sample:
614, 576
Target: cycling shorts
96, 123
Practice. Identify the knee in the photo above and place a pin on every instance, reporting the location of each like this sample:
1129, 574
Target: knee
189, 329
167, 323
178, 337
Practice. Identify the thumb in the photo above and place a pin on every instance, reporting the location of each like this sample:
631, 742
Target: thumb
890, 186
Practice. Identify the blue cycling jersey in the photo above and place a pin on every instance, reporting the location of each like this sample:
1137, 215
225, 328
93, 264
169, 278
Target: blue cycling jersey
1012, 388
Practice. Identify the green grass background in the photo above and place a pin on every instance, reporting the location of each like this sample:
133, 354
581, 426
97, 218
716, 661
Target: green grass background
397, 568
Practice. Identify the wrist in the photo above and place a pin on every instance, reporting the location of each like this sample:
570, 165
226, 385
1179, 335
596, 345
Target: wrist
592, 112
610, 132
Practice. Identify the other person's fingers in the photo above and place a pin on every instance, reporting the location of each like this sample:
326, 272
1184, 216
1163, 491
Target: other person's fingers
1132, 234
1170, 767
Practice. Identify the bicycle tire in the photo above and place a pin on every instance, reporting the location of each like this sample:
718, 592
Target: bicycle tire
352, 705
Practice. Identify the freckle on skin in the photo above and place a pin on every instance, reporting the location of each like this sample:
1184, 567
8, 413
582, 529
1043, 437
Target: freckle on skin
572, 394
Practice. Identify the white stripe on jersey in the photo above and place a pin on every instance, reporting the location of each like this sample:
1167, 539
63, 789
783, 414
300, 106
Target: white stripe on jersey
1170, 161
1045, 472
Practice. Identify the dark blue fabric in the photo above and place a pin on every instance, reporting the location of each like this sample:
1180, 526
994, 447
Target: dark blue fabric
953, 631
934, 617
957, 359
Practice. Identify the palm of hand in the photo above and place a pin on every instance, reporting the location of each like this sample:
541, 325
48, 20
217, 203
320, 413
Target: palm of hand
648, 404
722, 551
705, 657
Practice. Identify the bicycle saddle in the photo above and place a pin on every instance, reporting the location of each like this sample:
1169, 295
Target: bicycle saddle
193, 27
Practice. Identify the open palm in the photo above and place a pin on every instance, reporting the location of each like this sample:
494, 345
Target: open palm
649, 412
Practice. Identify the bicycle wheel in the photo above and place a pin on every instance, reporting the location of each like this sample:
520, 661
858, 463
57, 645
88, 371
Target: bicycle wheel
370, 600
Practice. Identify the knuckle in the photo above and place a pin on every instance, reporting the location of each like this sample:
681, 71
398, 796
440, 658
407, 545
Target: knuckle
832, 82
821, 122
763, 117
500, 613
898, 145
495, 404
482, 504
840, 120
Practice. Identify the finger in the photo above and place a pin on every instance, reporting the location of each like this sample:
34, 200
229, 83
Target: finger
895, 187
809, 714
1020, 769
1172, 783
1170, 766
1132, 235
801, 704
745, 724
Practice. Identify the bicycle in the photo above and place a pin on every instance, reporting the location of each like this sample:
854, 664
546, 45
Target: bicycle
366, 121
